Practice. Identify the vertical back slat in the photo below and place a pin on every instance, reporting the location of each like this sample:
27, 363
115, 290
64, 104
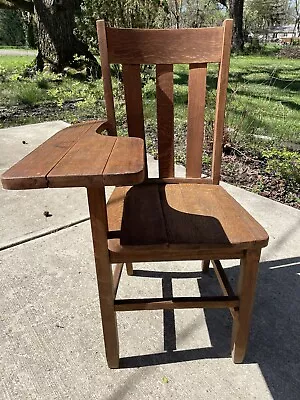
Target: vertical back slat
108, 93
195, 126
133, 99
165, 119
221, 101
134, 102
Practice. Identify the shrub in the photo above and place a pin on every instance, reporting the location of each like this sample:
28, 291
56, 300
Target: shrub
30, 95
283, 163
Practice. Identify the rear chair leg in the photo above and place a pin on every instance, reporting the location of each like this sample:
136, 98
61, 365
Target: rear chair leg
97, 206
246, 292
205, 266
129, 268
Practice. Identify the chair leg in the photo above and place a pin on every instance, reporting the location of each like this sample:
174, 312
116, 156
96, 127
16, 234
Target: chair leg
246, 292
129, 268
97, 206
205, 266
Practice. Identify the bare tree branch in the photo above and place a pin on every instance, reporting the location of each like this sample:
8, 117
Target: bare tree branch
23, 5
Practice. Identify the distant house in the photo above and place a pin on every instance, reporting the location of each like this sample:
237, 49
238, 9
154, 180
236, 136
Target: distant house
284, 33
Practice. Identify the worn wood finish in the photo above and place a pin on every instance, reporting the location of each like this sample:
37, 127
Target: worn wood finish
32, 171
246, 292
105, 68
195, 127
97, 160
164, 46
126, 163
165, 119
97, 206
176, 303
221, 101
84, 164
80, 156
182, 217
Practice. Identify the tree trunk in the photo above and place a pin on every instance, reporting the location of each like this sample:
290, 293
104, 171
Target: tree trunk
236, 10
57, 44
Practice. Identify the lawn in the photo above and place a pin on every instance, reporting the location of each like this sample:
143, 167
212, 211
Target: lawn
262, 119
263, 96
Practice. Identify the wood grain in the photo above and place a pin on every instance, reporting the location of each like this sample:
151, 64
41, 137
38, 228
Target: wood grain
31, 172
246, 292
84, 164
164, 46
97, 207
221, 101
133, 100
176, 303
105, 69
165, 119
196, 221
195, 128
126, 162
134, 103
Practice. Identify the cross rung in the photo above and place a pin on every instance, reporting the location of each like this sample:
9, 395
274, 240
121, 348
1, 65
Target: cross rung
225, 284
176, 303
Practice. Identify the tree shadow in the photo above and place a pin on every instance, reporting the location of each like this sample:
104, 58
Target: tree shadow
274, 341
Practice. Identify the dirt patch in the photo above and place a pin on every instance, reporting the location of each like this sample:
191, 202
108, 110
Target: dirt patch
250, 174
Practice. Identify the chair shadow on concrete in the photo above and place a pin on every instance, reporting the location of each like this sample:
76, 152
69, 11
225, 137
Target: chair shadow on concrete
274, 343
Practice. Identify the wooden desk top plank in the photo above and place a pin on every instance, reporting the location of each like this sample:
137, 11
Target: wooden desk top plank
126, 162
80, 156
84, 164
31, 172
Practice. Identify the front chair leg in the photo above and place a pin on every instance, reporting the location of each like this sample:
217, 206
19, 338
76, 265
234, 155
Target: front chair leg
246, 292
97, 206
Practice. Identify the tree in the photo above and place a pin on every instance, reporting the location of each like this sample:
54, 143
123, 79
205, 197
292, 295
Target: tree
11, 28
57, 43
120, 14
236, 11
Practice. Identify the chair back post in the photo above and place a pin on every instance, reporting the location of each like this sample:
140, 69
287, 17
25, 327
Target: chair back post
107, 85
221, 101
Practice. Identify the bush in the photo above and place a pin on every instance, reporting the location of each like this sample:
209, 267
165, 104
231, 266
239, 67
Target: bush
30, 95
283, 163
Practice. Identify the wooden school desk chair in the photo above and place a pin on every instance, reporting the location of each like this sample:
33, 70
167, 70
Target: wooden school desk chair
161, 219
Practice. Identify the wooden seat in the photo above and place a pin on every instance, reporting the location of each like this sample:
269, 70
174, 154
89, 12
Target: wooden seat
170, 218
181, 217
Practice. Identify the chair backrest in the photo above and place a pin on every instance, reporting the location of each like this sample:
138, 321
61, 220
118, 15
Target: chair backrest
165, 47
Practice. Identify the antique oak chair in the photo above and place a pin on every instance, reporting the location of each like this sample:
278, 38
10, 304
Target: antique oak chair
171, 218
162, 219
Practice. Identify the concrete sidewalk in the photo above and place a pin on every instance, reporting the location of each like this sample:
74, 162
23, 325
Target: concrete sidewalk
51, 336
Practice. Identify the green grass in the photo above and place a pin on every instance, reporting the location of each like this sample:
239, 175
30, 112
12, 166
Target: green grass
15, 63
263, 96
